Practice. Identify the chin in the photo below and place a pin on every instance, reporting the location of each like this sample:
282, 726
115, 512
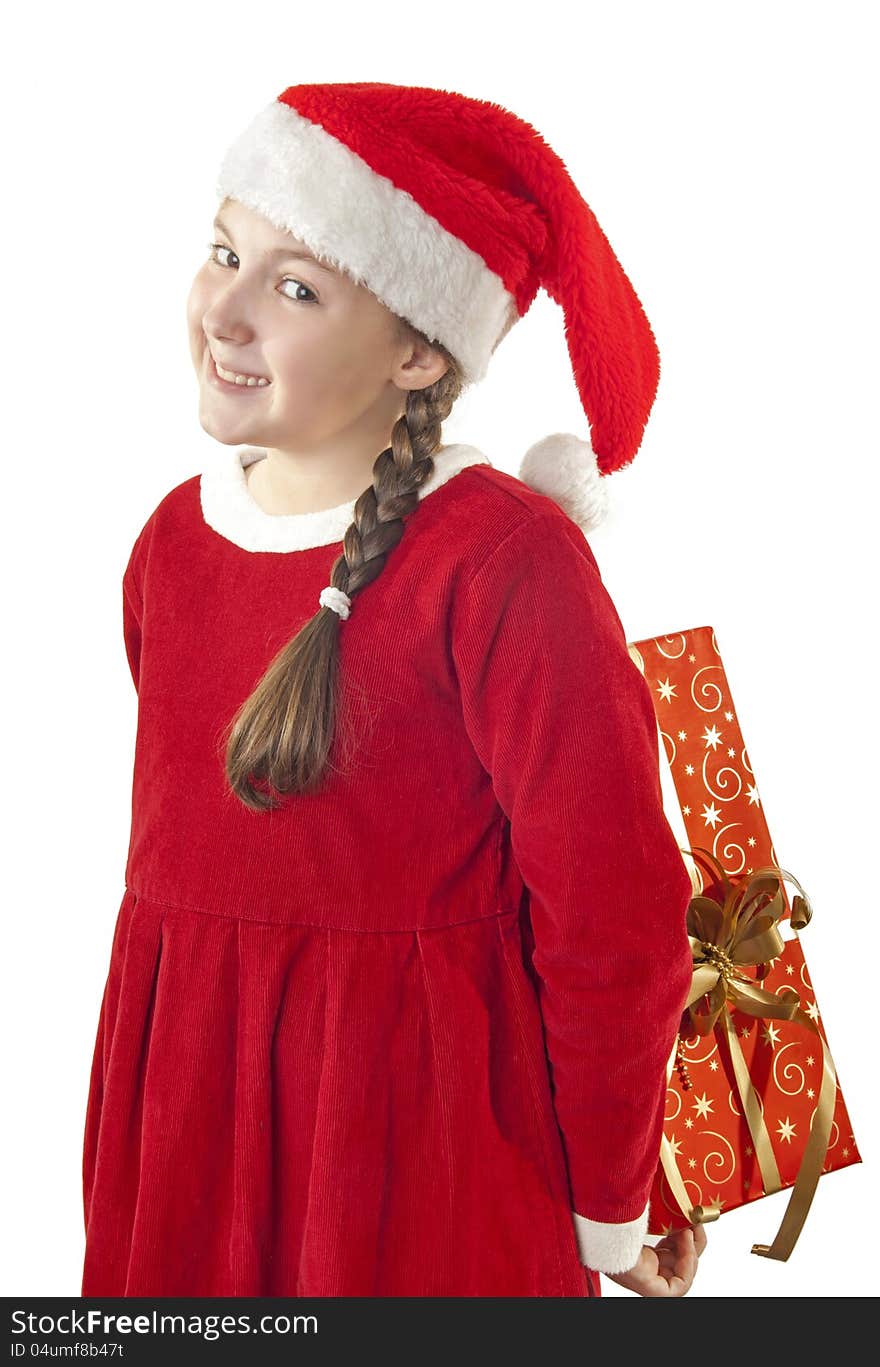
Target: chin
220, 432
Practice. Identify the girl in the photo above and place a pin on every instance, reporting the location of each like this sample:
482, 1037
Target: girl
402, 952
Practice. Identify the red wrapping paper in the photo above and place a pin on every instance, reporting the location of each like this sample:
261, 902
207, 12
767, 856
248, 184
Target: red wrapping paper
713, 803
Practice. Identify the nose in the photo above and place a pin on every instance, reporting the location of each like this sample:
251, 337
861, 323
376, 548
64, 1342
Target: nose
227, 317
226, 329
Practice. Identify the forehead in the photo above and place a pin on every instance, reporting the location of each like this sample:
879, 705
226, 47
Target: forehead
274, 242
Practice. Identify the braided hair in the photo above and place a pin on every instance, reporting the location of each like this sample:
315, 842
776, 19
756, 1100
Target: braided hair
282, 733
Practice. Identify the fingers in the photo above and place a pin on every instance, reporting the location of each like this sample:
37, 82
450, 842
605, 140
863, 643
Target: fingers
688, 1260
669, 1267
678, 1263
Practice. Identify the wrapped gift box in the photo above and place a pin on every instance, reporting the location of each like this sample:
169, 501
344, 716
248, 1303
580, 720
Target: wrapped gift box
710, 1163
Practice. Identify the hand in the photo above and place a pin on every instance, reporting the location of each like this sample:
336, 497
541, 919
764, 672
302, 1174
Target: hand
667, 1269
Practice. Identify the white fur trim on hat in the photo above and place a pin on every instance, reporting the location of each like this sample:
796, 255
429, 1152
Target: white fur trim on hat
305, 181
564, 468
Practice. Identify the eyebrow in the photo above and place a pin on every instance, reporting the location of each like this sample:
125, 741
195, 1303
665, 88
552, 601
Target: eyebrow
283, 252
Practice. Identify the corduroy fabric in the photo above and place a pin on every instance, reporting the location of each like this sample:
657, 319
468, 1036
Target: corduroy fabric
383, 1040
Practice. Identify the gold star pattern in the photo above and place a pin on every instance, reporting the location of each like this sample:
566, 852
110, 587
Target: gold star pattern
692, 658
692, 1162
810, 1060
754, 799
688, 1122
716, 1203
812, 1011
771, 1034
703, 1105
748, 1150
711, 814
751, 841
712, 736
731, 753
846, 1153
810, 1093
682, 735
728, 716
786, 1130
789, 968
714, 1065
666, 689
744, 1031
674, 1145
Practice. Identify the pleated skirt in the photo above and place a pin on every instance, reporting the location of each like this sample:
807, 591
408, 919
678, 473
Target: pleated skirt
291, 1110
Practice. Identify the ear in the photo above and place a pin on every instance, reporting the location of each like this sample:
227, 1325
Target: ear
422, 365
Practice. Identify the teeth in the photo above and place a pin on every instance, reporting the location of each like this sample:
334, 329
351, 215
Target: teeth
230, 375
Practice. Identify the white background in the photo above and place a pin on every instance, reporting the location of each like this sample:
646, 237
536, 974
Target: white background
728, 152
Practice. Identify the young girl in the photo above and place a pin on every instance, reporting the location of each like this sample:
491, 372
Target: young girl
402, 950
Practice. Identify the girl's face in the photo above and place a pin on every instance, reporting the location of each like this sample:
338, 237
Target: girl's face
331, 351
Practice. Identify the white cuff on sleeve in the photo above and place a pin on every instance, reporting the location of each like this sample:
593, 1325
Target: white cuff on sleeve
610, 1247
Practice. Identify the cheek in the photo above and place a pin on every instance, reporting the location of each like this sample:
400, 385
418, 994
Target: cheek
197, 305
358, 351
302, 363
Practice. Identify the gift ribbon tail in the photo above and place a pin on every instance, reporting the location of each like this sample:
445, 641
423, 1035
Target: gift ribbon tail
770, 1179
810, 1169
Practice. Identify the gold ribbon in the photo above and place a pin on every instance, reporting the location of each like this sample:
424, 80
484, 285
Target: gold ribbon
743, 930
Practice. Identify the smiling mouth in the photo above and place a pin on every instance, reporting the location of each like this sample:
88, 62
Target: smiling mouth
236, 380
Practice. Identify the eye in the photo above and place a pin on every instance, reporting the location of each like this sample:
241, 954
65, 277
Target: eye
289, 280
215, 247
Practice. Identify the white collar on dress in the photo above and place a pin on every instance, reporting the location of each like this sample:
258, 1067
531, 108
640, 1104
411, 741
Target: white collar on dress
229, 507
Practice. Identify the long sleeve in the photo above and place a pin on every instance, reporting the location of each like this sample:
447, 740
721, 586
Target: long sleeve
562, 720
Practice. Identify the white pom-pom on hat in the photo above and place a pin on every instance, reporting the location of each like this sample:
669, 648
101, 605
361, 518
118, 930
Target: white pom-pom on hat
564, 467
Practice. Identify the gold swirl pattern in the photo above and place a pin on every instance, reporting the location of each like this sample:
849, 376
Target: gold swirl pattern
719, 1158
680, 641
672, 1094
791, 1067
719, 781
730, 847
707, 689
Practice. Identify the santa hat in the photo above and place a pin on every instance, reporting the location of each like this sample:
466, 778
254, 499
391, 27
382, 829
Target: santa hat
454, 212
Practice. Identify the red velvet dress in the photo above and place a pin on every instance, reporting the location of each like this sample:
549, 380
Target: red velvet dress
391, 1038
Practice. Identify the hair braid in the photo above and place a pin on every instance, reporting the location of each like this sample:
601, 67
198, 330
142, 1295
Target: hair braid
283, 732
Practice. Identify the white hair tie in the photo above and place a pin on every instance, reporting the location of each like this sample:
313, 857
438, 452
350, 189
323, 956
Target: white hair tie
334, 598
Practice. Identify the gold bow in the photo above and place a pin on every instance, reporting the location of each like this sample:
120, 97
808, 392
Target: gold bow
743, 930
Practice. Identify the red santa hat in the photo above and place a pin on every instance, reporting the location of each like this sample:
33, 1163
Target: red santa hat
453, 212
